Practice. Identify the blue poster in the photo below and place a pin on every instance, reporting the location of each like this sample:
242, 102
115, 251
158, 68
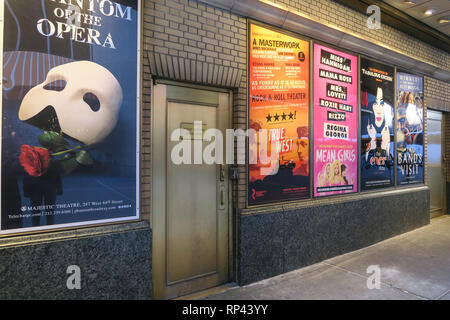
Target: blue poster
377, 125
410, 158
69, 113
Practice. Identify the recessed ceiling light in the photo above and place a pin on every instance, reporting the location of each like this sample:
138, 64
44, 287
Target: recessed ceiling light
429, 12
444, 19
411, 1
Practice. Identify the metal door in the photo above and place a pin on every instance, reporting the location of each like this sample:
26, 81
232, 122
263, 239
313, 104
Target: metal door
190, 200
435, 167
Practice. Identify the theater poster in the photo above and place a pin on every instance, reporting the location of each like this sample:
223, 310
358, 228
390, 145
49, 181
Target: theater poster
377, 125
279, 116
409, 129
335, 122
69, 154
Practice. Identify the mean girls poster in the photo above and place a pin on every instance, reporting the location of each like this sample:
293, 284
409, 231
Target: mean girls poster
69, 113
335, 122
377, 125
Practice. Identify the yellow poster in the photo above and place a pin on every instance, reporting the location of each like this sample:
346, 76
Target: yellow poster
279, 109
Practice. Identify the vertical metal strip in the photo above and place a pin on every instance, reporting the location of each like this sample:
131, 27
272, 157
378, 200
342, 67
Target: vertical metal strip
311, 119
247, 166
395, 126
2, 6
444, 157
358, 113
424, 134
232, 275
138, 109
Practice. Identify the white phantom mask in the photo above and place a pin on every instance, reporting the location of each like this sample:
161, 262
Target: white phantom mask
80, 99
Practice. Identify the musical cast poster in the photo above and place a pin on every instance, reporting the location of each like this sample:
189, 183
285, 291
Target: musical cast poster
69, 153
409, 129
335, 122
279, 116
377, 125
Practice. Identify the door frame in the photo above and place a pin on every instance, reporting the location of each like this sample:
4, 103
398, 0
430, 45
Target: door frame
443, 159
158, 208
445, 138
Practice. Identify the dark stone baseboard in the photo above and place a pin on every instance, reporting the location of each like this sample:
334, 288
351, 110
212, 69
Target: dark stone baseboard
115, 264
289, 237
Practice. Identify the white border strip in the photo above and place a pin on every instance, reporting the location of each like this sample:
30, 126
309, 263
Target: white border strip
138, 110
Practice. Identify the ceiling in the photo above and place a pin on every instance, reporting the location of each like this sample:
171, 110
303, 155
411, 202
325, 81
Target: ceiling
441, 7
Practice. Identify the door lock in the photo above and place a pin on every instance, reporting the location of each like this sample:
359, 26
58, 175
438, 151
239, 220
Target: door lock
222, 173
234, 173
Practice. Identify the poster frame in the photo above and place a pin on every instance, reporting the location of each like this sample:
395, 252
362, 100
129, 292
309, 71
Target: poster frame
103, 222
358, 92
424, 156
393, 187
395, 127
251, 22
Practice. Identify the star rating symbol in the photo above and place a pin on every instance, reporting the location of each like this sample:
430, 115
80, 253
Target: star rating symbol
277, 117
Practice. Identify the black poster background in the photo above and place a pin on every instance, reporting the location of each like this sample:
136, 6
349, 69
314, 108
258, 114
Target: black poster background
105, 190
377, 113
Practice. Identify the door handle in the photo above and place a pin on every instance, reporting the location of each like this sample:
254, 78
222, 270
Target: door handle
222, 198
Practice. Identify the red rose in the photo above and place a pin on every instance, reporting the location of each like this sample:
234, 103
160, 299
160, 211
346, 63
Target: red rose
35, 160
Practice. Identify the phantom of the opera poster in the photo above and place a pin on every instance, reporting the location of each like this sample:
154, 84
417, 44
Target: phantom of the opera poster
69, 113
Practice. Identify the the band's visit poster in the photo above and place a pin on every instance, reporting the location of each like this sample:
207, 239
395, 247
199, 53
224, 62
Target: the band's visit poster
335, 122
377, 125
279, 86
69, 113
409, 129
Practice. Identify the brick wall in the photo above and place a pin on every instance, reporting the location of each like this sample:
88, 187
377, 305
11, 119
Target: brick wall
189, 41
348, 20
191, 30
146, 164
437, 94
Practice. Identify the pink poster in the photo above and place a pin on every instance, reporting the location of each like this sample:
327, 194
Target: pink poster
335, 122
